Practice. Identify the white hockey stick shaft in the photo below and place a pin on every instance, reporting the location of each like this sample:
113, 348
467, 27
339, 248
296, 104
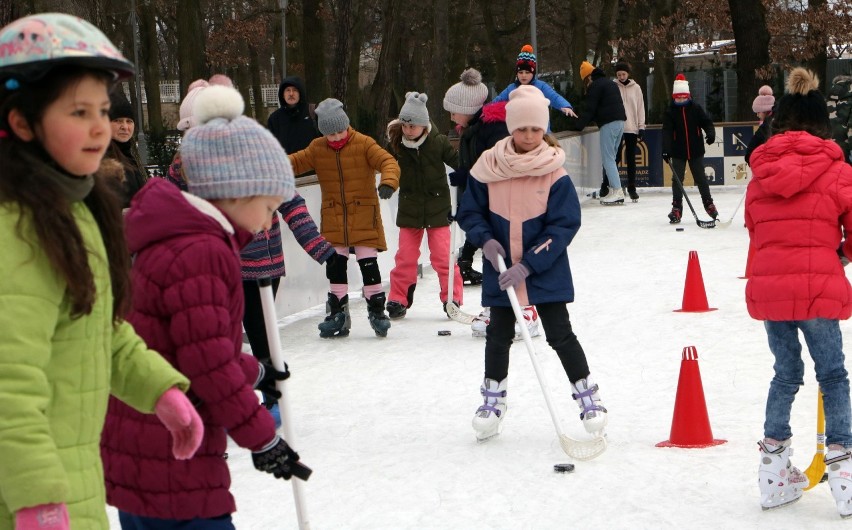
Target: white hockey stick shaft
270, 319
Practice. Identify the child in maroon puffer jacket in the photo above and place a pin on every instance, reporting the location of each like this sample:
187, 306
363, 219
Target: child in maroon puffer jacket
798, 205
188, 305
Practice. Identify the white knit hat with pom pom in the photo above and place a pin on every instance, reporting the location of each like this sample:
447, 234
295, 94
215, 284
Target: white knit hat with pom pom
468, 95
227, 155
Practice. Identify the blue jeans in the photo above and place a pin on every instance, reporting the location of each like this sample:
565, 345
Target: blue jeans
137, 522
825, 345
610, 140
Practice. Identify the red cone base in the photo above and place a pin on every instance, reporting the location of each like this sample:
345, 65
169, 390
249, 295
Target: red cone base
690, 423
694, 296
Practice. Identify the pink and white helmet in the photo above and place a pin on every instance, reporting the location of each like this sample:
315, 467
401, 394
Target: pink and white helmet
31, 46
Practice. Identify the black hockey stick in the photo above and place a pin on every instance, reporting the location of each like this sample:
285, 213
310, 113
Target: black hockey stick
701, 224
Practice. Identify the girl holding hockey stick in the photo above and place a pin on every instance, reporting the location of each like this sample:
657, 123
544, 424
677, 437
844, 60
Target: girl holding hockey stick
521, 207
798, 205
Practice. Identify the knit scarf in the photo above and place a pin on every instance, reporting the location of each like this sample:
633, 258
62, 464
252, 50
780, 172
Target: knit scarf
72, 187
501, 162
339, 144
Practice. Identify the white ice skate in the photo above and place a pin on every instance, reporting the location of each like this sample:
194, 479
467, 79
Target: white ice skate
593, 414
839, 465
480, 323
488, 420
780, 482
531, 321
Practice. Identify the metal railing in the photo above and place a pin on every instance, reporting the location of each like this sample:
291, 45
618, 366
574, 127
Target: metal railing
170, 93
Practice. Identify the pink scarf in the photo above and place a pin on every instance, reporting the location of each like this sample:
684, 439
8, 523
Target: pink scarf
501, 162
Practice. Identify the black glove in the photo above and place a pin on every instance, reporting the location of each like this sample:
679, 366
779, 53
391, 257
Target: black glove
385, 191
280, 460
458, 177
711, 140
843, 259
267, 376
641, 134
667, 157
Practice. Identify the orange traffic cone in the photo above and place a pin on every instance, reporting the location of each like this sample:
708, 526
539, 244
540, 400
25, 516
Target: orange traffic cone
690, 423
748, 262
694, 296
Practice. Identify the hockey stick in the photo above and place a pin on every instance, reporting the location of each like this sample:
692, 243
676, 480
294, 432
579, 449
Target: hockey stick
454, 311
701, 224
816, 470
578, 449
270, 319
726, 224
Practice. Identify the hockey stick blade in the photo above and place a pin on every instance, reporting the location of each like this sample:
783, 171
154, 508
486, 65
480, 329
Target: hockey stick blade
582, 449
699, 222
726, 224
455, 313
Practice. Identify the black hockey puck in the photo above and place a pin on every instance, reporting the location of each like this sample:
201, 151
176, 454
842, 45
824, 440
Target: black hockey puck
445, 333
679, 229
563, 468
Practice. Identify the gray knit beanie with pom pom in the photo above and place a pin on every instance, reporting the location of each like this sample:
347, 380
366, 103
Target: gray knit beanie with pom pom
468, 95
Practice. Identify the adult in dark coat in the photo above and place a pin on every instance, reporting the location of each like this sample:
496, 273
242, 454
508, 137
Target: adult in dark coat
123, 146
292, 123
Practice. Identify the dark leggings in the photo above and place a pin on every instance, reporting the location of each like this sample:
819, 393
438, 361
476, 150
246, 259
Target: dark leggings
253, 318
628, 143
557, 328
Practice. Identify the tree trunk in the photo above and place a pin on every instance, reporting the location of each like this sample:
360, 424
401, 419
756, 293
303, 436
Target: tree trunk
191, 38
315, 42
504, 68
353, 94
603, 50
254, 72
340, 75
817, 40
663, 64
150, 59
748, 18
439, 75
577, 16
389, 59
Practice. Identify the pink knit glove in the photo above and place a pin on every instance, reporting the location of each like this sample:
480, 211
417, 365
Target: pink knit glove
43, 517
183, 422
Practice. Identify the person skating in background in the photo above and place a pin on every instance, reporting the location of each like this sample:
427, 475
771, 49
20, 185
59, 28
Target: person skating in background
424, 204
839, 103
605, 107
123, 146
65, 344
525, 69
346, 163
683, 122
634, 127
762, 106
187, 303
480, 127
798, 205
292, 123
526, 169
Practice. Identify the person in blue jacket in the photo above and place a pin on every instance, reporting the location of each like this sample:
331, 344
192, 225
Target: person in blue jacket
526, 70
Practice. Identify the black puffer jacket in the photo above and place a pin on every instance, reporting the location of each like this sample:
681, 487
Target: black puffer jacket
682, 126
293, 126
603, 103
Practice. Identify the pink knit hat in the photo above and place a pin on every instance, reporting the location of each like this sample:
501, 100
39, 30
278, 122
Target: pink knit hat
764, 101
186, 119
527, 107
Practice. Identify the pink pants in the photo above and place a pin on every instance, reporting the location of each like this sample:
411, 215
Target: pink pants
404, 273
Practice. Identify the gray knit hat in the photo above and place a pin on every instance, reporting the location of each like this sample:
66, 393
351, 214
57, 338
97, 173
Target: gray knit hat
414, 111
227, 155
467, 96
331, 118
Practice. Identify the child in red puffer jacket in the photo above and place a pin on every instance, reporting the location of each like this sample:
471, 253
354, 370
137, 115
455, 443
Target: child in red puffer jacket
799, 204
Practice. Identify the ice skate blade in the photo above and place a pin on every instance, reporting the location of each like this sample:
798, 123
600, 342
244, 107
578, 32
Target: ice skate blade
781, 504
477, 334
619, 202
334, 334
481, 438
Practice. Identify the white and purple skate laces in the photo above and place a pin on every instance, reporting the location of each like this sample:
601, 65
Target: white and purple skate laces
587, 399
490, 400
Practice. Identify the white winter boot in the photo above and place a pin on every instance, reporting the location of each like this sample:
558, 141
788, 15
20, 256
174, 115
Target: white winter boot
838, 460
489, 416
780, 482
593, 414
